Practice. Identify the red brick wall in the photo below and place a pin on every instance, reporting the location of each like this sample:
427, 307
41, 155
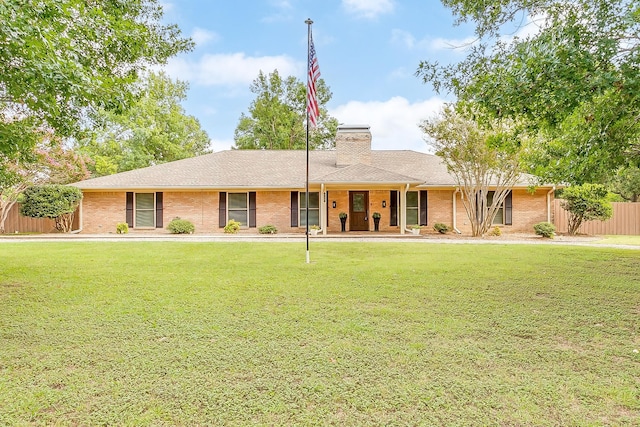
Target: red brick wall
528, 210
102, 211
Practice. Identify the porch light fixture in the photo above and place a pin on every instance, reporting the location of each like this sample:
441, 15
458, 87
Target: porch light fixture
333, 204
384, 203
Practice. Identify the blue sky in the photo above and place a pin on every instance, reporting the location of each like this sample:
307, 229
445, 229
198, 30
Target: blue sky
368, 51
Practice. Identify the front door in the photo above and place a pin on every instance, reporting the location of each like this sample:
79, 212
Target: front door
358, 211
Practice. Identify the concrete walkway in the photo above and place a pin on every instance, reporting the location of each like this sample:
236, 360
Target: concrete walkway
300, 238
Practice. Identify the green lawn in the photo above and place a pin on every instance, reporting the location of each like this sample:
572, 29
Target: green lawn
173, 333
620, 240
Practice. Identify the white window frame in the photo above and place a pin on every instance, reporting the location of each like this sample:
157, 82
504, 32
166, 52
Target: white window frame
302, 197
239, 210
416, 208
499, 211
135, 212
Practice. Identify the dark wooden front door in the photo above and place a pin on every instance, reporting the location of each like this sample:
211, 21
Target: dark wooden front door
358, 211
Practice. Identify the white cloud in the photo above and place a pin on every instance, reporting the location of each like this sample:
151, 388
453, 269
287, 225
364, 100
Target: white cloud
408, 41
403, 38
167, 6
230, 69
394, 123
282, 13
201, 36
369, 9
220, 144
452, 44
531, 27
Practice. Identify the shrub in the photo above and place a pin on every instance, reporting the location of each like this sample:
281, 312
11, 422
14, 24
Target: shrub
122, 228
376, 215
268, 229
495, 231
181, 226
441, 228
545, 229
232, 227
57, 202
585, 202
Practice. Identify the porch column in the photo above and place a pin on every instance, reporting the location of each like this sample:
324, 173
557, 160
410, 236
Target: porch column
323, 209
402, 209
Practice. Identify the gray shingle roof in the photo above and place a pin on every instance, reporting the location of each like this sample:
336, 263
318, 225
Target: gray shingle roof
277, 169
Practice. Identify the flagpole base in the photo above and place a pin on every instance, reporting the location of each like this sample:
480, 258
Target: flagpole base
308, 260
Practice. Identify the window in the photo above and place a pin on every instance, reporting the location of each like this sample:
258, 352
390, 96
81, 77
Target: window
499, 218
393, 207
314, 209
145, 210
238, 208
412, 209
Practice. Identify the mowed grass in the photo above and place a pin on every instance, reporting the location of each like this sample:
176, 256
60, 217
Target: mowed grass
173, 333
620, 240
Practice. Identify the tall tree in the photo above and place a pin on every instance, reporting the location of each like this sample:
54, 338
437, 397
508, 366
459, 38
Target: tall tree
154, 130
60, 58
276, 119
480, 159
575, 81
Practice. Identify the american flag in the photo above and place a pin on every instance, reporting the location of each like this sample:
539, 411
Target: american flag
313, 109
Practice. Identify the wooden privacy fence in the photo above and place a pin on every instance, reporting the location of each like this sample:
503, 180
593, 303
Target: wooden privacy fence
625, 220
23, 224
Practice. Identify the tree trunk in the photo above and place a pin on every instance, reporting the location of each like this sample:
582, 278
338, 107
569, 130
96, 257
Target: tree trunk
573, 224
5, 207
64, 222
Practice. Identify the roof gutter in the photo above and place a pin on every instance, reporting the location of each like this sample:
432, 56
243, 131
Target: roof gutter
455, 209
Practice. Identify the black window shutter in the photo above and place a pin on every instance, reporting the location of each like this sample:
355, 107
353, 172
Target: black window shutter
159, 210
222, 209
423, 207
129, 207
508, 210
252, 209
294, 208
393, 208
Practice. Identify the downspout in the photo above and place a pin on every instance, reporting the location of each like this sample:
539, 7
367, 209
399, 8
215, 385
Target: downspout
549, 203
80, 220
455, 211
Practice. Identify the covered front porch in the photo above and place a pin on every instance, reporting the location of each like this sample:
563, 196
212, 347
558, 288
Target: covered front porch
390, 209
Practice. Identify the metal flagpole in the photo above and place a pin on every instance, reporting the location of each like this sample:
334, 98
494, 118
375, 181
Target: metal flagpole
308, 22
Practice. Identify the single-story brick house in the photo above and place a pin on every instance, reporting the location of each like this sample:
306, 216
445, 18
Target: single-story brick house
268, 187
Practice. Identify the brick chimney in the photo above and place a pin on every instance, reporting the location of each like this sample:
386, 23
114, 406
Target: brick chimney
353, 145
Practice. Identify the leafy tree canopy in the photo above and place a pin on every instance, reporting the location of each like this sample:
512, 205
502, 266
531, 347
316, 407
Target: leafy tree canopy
60, 58
276, 119
53, 201
50, 163
627, 184
154, 130
575, 81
